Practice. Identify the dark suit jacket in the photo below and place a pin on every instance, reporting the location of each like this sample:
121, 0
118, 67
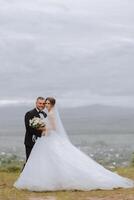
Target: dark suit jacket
31, 133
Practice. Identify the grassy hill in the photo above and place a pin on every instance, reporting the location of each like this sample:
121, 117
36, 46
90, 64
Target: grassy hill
8, 192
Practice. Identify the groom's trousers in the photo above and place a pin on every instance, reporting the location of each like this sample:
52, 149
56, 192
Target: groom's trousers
28, 150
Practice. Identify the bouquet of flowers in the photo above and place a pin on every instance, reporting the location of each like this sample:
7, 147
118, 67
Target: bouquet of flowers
36, 122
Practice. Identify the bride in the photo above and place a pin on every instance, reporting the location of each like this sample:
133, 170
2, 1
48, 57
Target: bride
55, 164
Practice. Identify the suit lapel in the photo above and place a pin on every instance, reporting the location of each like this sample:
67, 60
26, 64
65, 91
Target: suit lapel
36, 113
45, 115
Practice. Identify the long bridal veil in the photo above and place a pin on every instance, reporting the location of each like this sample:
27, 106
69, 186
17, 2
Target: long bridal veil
59, 125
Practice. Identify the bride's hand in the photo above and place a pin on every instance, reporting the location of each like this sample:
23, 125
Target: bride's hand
45, 131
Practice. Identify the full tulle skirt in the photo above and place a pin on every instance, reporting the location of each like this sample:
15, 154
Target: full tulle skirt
56, 164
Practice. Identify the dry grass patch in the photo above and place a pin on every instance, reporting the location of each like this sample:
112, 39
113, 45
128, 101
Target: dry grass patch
8, 192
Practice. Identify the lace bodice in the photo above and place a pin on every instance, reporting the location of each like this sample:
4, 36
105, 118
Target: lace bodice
51, 122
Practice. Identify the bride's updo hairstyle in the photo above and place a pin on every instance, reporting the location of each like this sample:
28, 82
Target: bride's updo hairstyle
51, 100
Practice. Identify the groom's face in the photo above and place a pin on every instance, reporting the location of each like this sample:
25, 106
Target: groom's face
40, 104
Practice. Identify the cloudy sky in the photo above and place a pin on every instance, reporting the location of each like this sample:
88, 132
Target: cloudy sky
80, 51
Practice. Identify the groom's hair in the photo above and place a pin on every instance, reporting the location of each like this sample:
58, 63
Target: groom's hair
40, 98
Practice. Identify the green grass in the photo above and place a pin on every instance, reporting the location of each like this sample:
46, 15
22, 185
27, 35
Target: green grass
8, 192
10, 163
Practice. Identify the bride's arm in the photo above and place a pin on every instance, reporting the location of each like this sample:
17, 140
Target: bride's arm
51, 125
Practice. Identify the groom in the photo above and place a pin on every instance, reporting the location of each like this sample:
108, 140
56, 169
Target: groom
32, 133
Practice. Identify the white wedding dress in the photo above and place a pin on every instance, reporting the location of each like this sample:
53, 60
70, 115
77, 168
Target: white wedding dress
56, 164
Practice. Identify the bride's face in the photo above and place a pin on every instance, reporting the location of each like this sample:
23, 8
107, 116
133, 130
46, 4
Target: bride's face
48, 105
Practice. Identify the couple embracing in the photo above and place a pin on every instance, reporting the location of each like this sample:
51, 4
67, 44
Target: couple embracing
54, 163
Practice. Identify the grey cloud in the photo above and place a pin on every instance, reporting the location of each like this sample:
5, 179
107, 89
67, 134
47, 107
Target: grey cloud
58, 46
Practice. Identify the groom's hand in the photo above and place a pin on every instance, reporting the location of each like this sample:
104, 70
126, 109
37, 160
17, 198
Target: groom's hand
42, 129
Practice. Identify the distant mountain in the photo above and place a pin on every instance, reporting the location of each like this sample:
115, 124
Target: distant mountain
99, 118
95, 119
